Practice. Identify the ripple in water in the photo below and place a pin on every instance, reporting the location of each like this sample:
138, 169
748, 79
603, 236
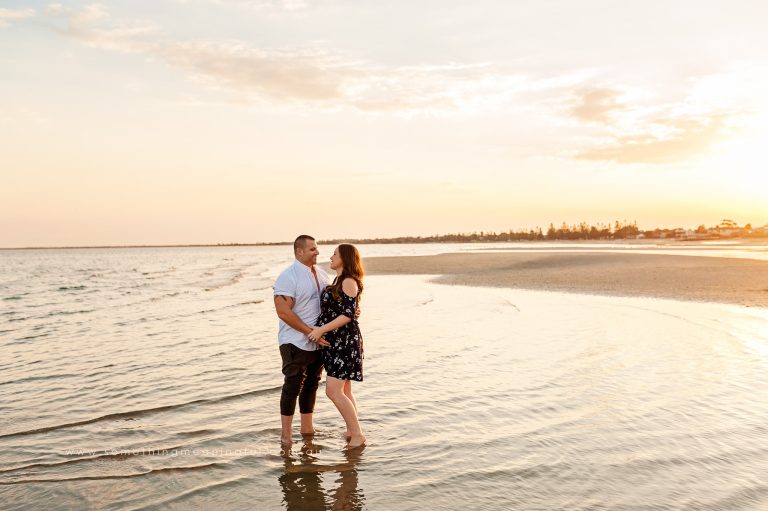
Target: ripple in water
167, 397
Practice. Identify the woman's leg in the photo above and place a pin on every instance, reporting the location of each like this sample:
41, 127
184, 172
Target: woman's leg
348, 393
334, 389
351, 397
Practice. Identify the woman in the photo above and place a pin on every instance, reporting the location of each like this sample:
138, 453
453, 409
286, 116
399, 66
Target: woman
343, 357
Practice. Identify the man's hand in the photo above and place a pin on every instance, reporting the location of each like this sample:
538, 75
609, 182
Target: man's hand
357, 312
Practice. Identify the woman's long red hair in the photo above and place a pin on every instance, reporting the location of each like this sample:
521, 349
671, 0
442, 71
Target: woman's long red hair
351, 267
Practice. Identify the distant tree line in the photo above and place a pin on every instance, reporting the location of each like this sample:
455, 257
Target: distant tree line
582, 231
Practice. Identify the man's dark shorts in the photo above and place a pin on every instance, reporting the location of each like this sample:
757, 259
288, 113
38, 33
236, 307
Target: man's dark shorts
302, 370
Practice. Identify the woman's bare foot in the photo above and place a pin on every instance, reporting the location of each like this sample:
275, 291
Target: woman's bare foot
286, 441
356, 441
308, 433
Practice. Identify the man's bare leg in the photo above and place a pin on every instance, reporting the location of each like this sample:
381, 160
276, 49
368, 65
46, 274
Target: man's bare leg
286, 436
307, 428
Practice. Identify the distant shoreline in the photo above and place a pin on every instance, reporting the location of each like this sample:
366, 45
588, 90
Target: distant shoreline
680, 277
620, 241
82, 247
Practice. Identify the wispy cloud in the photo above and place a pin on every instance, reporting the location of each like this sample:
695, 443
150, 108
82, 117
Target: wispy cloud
595, 104
312, 75
664, 140
284, 75
83, 25
629, 125
8, 15
628, 129
285, 5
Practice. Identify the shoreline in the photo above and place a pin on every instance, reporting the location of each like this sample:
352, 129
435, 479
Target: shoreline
681, 277
704, 242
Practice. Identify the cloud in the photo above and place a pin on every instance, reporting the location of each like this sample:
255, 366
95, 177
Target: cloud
666, 140
308, 75
259, 5
286, 5
595, 104
283, 75
630, 126
81, 25
7, 15
633, 126
332, 81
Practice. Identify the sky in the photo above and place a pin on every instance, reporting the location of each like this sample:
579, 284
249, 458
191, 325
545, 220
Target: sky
237, 121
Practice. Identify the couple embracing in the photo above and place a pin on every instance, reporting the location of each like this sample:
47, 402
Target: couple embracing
318, 328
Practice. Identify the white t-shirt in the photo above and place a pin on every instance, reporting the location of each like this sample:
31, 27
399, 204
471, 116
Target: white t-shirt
298, 282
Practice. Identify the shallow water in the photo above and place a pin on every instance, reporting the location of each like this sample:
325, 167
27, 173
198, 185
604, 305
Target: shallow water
149, 378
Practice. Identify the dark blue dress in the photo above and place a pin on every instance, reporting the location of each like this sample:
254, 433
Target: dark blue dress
343, 359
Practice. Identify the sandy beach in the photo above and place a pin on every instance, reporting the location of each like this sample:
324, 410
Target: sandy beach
708, 279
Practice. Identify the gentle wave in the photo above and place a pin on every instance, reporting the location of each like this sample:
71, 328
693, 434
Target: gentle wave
117, 476
142, 412
200, 490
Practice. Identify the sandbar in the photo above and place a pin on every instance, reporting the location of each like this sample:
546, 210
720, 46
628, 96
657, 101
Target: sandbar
695, 278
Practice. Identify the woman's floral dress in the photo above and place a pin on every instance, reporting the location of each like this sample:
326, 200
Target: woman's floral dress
343, 359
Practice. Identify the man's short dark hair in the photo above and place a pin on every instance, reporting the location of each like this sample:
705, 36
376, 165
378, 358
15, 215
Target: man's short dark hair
301, 241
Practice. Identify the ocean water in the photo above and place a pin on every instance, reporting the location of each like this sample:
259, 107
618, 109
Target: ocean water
150, 379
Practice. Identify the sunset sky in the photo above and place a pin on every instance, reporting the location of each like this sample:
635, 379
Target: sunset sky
217, 121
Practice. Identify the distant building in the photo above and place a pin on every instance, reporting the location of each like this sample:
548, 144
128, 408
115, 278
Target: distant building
728, 228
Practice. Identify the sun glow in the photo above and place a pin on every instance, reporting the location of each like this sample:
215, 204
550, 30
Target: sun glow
744, 156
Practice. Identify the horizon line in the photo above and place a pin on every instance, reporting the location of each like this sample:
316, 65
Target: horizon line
356, 240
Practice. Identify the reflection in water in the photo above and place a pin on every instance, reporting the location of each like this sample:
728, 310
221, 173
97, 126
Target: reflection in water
302, 481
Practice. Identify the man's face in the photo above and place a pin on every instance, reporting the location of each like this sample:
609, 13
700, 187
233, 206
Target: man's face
308, 254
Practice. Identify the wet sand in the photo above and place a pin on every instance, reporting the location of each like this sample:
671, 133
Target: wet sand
696, 278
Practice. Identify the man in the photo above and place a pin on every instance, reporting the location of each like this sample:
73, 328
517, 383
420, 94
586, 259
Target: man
297, 302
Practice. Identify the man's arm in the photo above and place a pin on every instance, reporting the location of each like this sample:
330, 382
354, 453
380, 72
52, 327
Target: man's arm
284, 308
